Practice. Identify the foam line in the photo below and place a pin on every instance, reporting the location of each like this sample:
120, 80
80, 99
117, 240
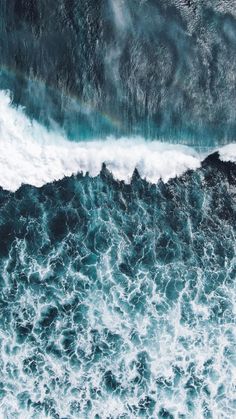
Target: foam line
30, 154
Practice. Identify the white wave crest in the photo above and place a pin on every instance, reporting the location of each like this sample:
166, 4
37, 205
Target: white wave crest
228, 153
30, 154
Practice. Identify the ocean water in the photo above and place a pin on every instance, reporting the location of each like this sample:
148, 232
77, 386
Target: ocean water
118, 301
117, 209
154, 68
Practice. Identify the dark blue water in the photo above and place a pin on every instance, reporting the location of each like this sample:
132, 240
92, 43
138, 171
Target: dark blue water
117, 301
157, 68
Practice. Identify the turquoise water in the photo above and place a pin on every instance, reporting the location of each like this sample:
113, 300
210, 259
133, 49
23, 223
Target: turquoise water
117, 301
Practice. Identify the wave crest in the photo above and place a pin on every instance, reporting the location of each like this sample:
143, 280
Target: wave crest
30, 154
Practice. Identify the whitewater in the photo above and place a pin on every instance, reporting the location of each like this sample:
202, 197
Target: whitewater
118, 300
117, 290
117, 209
32, 154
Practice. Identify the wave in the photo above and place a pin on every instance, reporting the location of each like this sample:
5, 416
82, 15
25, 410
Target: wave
32, 154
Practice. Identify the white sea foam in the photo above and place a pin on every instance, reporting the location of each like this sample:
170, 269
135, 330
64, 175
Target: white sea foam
30, 154
228, 153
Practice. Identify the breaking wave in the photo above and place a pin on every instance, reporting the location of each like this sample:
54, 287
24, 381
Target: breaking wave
117, 244
31, 154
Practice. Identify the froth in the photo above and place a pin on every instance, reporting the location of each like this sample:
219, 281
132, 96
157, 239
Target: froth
30, 154
228, 153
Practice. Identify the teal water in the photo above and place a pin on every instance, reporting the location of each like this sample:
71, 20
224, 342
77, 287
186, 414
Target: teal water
118, 301
159, 69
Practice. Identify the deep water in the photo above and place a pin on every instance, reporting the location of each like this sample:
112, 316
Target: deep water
118, 301
162, 69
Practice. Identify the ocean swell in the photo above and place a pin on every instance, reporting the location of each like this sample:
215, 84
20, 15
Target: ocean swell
31, 154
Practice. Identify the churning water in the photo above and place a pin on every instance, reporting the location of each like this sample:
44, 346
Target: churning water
117, 209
